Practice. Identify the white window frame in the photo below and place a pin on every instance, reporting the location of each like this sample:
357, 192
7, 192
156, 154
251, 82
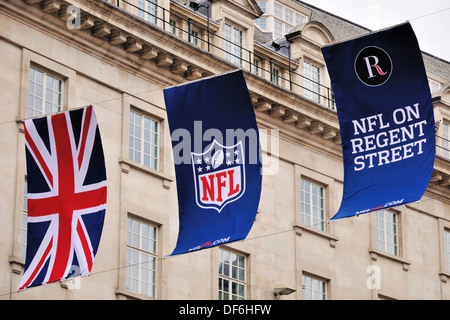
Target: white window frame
434, 85
447, 249
195, 36
148, 10
256, 66
45, 92
24, 230
313, 288
277, 29
446, 139
140, 148
387, 231
299, 19
312, 204
263, 6
278, 11
173, 26
141, 257
288, 16
276, 76
234, 44
311, 72
261, 22
232, 275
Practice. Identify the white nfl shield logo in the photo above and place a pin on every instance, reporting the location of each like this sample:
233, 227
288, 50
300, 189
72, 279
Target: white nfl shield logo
219, 175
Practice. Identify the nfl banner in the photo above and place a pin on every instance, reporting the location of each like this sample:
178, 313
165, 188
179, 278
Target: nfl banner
216, 152
66, 180
386, 119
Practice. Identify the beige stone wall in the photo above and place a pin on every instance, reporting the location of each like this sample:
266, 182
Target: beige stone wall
279, 248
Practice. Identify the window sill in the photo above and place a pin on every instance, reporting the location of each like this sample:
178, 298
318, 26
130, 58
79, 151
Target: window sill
17, 264
374, 253
299, 229
126, 164
128, 295
444, 275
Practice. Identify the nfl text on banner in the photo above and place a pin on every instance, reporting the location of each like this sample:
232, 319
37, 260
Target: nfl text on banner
66, 181
216, 152
386, 119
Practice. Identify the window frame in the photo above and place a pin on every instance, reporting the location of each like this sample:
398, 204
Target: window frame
141, 150
278, 28
148, 10
233, 281
447, 250
332, 190
131, 249
446, 139
311, 83
321, 224
24, 230
234, 44
32, 111
382, 225
314, 279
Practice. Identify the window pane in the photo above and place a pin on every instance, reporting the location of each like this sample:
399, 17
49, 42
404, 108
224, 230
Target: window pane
386, 231
312, 205
231, 282
143, 142
141, 258
313, 288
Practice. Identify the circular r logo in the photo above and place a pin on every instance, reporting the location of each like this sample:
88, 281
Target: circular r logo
373, 66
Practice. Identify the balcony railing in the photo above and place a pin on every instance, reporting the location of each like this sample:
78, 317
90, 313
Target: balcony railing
269, 69
443, 147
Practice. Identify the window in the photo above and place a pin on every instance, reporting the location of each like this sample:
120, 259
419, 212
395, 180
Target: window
173, 26
275, 76
44, 93
447, 249
312, 205
261, 22
262, 5
148, 10
386, 231
288, 16
194, 37
298, 19
446, 140
233, 44
434, 85
277, 11
141, 258
23, 242
256, 66
277, 29
232, 269
144, 140
312, 81
313, 288
288, 19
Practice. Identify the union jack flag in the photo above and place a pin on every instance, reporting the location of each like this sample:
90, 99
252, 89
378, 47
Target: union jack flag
66, 180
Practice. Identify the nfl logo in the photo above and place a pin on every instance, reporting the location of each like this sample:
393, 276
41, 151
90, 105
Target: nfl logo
219, 175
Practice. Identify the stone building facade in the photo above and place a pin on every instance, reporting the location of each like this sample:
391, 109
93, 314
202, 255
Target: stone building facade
119, 55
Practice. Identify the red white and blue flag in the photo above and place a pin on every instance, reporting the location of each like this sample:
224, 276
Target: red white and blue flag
66, 179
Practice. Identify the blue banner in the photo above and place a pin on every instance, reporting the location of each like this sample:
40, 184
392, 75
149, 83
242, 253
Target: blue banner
216, 152
386, 119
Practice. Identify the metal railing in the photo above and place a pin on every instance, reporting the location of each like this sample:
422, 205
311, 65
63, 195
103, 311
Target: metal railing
265, 68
